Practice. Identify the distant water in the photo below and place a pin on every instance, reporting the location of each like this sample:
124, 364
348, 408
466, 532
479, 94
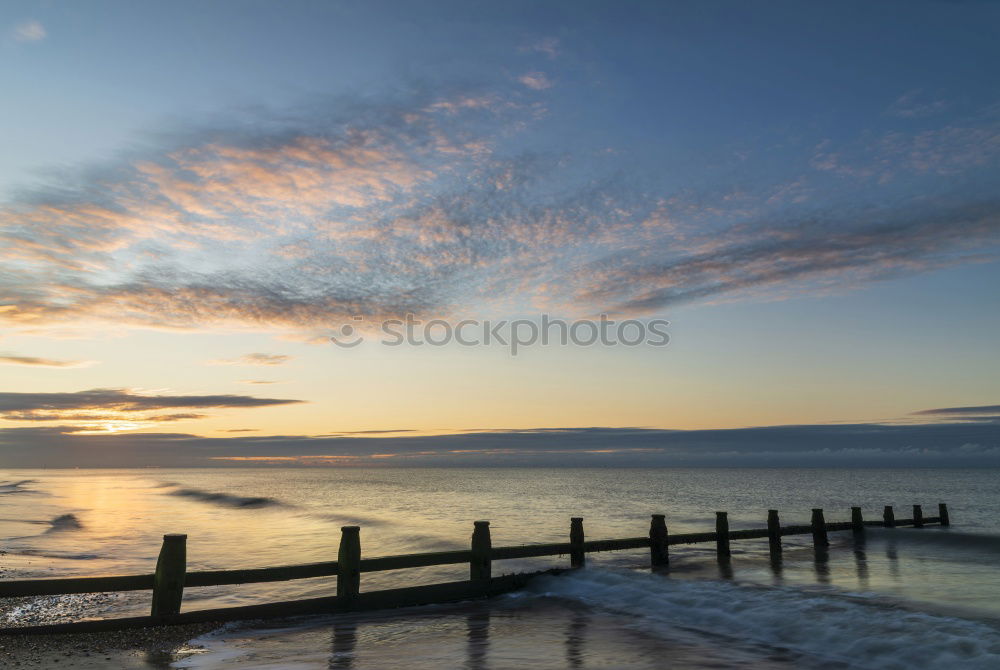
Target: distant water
901, 599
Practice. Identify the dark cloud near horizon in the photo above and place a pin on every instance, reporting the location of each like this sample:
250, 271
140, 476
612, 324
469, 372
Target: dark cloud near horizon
95, 405
842, 445
374, 432
35, 361
93, 415
962, 411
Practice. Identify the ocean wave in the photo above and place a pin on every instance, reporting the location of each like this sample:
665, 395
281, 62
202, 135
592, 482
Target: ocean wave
59, 523
62, 555
226, 499
16, 487
828, 627
351, 519
64, 522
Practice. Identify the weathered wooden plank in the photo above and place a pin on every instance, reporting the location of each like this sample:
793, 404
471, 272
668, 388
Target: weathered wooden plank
68, 585
616, 545
691, 538
281, 573
565, 548
533, 550
390, 598
447, 592
901, 522
415, 560
747, 534
796, 530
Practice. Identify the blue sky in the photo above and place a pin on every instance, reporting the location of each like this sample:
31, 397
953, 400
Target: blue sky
807, 191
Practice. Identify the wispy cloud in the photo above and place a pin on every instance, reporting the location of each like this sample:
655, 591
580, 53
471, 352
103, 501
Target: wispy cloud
963, 411
419, 205
125, 400
546, 45
914, 104
537, 81
980, 413
952, 148
826, 253
256, 359
8, 359
29, 31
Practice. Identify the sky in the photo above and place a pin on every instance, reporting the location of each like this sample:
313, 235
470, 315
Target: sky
196, 197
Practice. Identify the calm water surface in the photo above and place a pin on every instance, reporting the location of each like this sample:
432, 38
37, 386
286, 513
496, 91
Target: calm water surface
901, 599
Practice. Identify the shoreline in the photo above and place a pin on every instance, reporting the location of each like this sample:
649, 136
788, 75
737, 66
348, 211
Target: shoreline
133, 649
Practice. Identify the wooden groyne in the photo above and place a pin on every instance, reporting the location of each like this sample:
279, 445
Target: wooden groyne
171, 578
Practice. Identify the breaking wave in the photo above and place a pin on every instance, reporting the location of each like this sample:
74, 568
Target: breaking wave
64, 522
16, 487
59, 523
226, 499
827, 626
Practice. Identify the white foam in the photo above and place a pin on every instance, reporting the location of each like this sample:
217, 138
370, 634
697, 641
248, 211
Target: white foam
821, 626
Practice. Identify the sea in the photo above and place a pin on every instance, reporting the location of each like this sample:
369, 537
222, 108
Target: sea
895, 598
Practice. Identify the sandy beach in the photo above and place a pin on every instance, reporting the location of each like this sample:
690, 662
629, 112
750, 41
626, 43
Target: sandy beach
138, 648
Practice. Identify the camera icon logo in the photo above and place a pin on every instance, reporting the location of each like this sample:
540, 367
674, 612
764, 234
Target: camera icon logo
348, 337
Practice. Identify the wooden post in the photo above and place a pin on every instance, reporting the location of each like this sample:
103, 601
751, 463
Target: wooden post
918, 517
349, 564
888, 518
774, 533
577, 557
943, 513
722, 535
820, 540
168, 581
479, 566
658, 552
857, 521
